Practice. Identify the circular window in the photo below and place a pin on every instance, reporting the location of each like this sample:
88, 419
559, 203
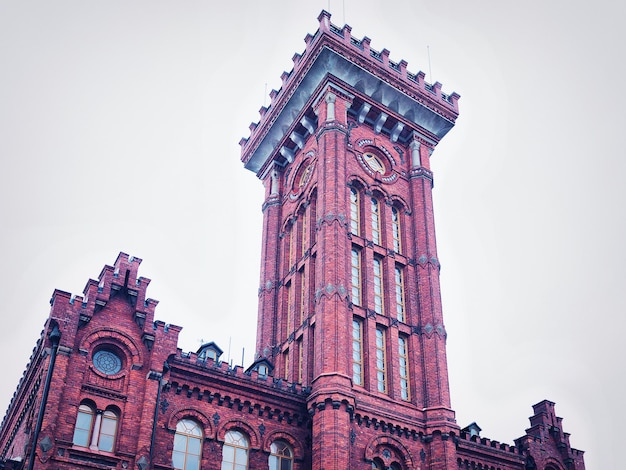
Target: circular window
374, 162
107, 362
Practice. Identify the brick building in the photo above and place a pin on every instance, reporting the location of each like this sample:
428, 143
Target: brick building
350, 368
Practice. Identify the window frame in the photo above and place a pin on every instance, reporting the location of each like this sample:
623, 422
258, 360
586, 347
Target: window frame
355, 210
375, 219
378, 282
356, 279
396, 226
399, 291
381, 360
187, 435
357, 352
277, 457
403, 368
234, 445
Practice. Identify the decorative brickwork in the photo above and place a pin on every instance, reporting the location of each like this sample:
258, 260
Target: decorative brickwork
350, 369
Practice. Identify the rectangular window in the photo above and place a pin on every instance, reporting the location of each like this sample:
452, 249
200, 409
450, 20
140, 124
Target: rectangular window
395, 229
356, 276
302, 295
375, 222
357, 352
288, 325
403, 355
381, 369
378, 286
304, 237
286, 362
292, 248
354, 211
399, 294
300, 358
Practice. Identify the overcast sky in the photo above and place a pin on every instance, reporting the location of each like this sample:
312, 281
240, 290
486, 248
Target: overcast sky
119, 131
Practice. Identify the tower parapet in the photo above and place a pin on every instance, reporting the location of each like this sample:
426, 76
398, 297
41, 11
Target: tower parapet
409, 104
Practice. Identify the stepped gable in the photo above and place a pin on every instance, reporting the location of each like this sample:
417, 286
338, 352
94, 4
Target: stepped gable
333, 54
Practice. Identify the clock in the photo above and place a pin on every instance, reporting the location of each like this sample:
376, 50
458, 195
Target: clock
374, 163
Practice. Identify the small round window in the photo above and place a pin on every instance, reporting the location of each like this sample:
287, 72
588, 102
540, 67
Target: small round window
107, 362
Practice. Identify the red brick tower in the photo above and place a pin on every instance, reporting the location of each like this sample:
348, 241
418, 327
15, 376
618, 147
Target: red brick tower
349, 299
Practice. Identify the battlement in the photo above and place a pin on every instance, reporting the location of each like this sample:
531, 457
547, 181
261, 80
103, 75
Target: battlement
333, 51
251, 376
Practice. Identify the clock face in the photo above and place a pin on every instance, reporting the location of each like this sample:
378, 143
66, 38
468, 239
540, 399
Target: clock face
306, 174
374, 162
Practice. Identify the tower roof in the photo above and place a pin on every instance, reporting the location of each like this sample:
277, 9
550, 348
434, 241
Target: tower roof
332, 54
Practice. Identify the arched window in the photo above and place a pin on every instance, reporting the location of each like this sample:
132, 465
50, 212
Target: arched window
235, 451
281, 457
354, 211
375, 221
95, 429
395, 229
187, 445
377, 464
108, 430
84, 423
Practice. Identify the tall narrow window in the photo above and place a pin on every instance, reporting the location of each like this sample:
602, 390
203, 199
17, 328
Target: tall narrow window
399, 294
381, 370
303, 245
108, 430
187, 445
403, 355
235, 451
313, 217
302, 295
375, 221
286, 363
357, 352
292, 243
288, 326
378, 286
300, 358
356, 276
395, 229
84, 423
281, 456
354, 211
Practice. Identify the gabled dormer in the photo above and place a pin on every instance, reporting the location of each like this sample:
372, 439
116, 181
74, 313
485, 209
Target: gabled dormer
209, 351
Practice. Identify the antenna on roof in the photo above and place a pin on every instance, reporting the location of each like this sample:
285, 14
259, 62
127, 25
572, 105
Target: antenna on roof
265, 95
229, 338
430, 73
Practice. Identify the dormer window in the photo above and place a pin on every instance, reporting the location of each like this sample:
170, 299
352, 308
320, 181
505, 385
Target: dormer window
209, 351
263, 367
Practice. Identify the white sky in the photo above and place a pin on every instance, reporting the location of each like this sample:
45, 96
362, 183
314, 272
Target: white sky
119, 131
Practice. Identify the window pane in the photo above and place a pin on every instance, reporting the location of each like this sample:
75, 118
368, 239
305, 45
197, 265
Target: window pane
193, 446
241, 455
193, 462
81, 437
228, 454
105, 443
180, 442
178, 459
